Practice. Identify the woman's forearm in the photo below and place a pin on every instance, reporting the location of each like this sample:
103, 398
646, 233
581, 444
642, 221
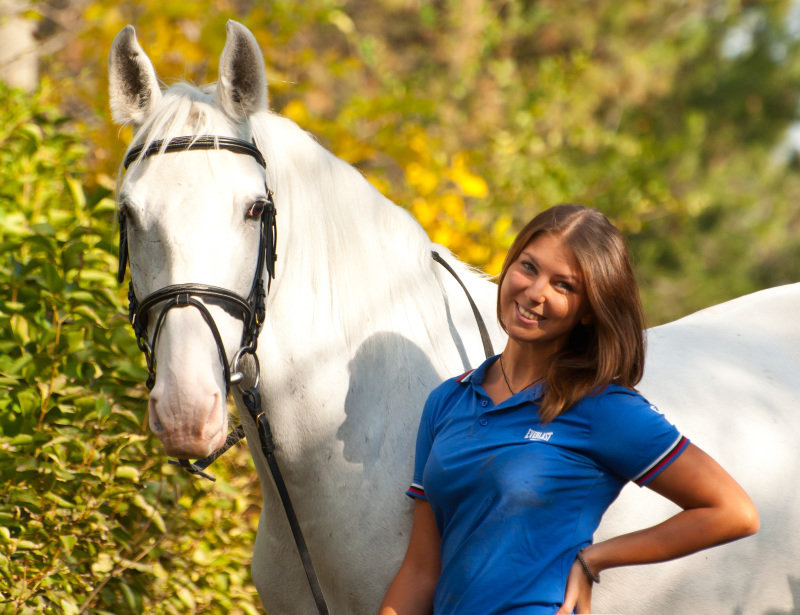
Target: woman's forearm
715, 510
411, 591
687, 532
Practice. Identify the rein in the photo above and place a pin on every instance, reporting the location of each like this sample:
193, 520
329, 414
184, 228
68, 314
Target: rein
251, 310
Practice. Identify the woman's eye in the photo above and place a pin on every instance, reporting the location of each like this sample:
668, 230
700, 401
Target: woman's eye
256, 209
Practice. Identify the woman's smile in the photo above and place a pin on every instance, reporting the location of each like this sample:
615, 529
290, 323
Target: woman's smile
528, 315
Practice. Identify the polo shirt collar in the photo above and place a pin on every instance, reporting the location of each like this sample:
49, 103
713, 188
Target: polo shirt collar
475, 379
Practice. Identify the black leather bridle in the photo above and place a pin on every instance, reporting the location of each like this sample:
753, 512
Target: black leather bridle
251, 310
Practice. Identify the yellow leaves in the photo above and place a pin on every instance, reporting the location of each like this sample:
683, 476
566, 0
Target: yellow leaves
418, 143
103, 565
452, 205
186, 597
126, 134
495, 263
342, 143
470, 183
150, 512
424, 213
106, 17
383, 186
478, 242
128, 473
445, 192
296, 111
421, 178
425, 175
342, 21
351, 149
171, 44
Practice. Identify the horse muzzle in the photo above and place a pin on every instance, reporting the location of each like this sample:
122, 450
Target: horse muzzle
190, 423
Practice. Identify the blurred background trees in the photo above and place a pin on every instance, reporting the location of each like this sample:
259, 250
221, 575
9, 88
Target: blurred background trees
677, 118
673, 117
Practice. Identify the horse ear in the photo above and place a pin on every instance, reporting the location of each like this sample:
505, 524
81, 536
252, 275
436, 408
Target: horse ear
132, 83
242, 86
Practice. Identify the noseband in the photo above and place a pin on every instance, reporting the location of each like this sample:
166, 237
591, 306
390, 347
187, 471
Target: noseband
250, 310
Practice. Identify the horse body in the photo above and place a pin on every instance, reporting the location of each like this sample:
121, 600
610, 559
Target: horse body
361, 324
729, 378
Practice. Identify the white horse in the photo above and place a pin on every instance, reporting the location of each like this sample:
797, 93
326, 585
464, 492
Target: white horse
361, 324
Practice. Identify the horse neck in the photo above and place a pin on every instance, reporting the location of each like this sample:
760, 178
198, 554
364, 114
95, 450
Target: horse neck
367, 261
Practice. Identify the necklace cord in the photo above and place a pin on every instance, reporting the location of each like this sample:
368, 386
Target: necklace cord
508, 384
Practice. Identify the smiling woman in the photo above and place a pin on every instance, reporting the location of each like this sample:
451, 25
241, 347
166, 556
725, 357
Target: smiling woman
589, 272
518, 460
541, 299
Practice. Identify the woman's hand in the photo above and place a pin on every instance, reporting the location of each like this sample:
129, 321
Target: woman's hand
578, 595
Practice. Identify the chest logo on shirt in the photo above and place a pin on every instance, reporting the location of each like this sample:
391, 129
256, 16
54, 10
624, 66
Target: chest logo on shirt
538, 435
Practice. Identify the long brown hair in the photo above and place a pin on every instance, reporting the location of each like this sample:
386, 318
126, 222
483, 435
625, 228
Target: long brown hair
610, 348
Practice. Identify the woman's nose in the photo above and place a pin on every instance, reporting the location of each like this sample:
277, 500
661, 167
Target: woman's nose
536, 290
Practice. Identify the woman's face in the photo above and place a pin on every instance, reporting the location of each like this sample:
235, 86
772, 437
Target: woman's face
542, 297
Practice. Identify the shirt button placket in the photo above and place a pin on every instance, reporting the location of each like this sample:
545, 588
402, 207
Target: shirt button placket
483, 421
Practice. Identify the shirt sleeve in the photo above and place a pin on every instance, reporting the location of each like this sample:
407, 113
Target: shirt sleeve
425, 435
632, 437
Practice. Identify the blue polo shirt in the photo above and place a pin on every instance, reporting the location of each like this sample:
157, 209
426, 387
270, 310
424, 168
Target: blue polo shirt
515, 498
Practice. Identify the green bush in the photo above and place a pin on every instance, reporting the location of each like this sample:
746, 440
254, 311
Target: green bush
92, 518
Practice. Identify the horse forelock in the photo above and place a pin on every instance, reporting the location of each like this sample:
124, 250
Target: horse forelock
185, 110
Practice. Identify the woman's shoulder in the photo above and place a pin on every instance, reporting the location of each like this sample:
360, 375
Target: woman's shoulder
617, 399
464, 380
451, 386
619, 409
615, 393
453, 393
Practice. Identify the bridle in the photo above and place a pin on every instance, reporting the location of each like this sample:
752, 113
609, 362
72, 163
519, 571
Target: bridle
251, 310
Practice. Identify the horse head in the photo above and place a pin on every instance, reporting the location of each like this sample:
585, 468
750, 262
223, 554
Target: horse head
192, 219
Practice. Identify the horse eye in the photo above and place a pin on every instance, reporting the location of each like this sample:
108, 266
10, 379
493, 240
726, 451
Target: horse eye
256, 209
125, 213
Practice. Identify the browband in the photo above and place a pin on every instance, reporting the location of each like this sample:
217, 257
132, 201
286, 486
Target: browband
202, 142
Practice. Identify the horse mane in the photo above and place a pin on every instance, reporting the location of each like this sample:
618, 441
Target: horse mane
367, 260
366, 256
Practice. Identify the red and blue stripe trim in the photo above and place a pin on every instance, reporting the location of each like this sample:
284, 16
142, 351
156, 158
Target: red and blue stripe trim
465, 376
662, 462
417, 491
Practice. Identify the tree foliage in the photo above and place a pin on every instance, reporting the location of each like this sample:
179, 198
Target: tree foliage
476, 114
92, 519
